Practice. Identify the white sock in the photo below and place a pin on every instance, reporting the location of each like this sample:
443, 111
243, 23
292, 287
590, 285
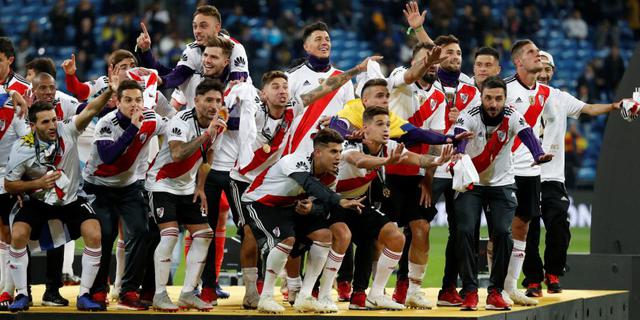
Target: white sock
8, 285
18, 261
316, 259
250, 277
490, 255
416, 274
4, 258
90, 265
515, 265
117, 283
294, 284
196, 258
276, 260
69, 252
162, 257
334, 261
386, 264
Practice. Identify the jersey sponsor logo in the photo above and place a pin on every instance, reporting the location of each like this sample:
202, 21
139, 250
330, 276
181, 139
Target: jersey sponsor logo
105, 131
176, 132
239, 62
302, 165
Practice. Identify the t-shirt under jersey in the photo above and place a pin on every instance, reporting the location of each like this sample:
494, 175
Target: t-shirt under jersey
490, 149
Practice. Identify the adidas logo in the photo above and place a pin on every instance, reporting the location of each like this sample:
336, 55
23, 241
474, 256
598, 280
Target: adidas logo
306, 83
166, 260
239, 62
176, 132
105, 131
518, 100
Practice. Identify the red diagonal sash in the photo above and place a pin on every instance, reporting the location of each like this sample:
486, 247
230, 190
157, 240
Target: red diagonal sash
176, 169
6, 116
260, 156
461, 104
493, 146
130, 155
533, 112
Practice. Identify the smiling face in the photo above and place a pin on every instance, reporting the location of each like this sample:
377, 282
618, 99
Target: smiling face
214, 61
204, 27
377, 130
318, 44
453, 53
485, 66
546, 74
44, 88
46, 125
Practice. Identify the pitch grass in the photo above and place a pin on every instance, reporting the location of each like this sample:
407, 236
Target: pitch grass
580, 243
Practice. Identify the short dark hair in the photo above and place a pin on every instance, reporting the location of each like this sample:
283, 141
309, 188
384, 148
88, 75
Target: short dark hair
420, 46
222, 43
38, 107
119, 55
326, 136
127, 85
373, 83
493, 82
444, 40
209, 84
488, 51
370, 112
310, 28
209, 11
42, 64
516, 48
6, 47
272, 75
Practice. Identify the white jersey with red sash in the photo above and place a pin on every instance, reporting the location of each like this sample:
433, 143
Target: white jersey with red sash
274, 188
127, 169
179, 178
65, 105
238, 61
490, 149
11, 129
354, 182
424, 109
261, 139
530, 102
59, 155
303, 79
14, 82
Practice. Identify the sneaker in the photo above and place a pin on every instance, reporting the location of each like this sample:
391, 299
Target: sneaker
146, 297
306, 304
417, 300
162, 303
268, 305
470, 302
131, 301
449, 297
553, 283
221, 293
259, 285
70, 279
52, 298
100, 297
5, 301
383, 302
20, 303
358, 301
114, 293
250, 300
344, 291
400, 293
327, 305
292, 294
189, 300
85, 303
506, 298
495, 301
520, 299
534, 290
209, 296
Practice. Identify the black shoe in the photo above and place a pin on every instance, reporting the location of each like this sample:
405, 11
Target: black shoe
54, 299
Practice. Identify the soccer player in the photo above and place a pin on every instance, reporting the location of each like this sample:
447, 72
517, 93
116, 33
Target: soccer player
117, 164
555, 199
361, 169
45, 165
289, 203
485, 64
496, 126
207, 23
171, 181
45, 89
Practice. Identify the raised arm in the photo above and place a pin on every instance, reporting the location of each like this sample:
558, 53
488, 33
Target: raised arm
420, 67
94, 107
598, 109
335, 82
416, 21
427, 160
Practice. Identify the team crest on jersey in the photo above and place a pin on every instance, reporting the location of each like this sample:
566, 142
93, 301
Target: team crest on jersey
143, 137
2, 124
541, 99
464, 97
276, 232
502, 135
433, 104
302, 165
160, 212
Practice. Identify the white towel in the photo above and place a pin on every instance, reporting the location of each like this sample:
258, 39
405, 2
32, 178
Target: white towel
149, 83
630, 109
464, 174
58, 194
373, 72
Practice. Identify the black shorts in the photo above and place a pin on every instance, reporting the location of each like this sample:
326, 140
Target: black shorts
36, 214
365, 227
167, 207
271, 225
7, 201
240, 216
403, 205
528, 194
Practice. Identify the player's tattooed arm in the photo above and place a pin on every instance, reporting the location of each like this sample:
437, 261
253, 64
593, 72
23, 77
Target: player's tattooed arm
335, 82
